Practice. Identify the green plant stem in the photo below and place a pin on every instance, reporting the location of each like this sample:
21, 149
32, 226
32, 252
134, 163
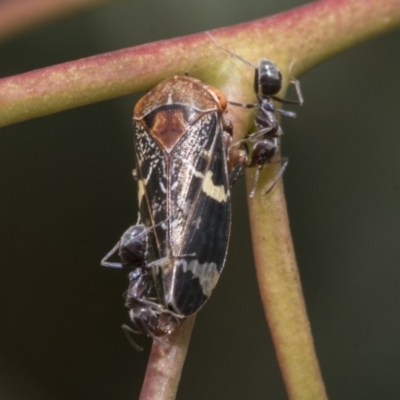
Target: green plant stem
281, 293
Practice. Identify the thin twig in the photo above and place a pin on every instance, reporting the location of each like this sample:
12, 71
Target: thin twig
165, 364
308, 35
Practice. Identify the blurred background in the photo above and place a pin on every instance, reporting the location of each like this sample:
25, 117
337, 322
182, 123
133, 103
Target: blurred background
67, 195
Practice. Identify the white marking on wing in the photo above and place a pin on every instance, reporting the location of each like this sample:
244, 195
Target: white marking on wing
193, 170
207, 274
140, 190
174, 185
146, 180
218, 193
163, 189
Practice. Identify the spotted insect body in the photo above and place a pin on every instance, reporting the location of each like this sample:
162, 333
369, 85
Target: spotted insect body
184, 171
181, 147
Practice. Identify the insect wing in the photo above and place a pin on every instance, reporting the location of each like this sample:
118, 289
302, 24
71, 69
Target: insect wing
184, 194
200, 223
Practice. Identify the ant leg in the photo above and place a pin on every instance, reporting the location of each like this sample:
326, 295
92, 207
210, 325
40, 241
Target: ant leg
244, 105
127, 332
105, 263
278, 176
286, 113
299, 101
255, 182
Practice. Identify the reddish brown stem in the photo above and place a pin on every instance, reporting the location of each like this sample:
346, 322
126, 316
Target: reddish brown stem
306, 35
165, 364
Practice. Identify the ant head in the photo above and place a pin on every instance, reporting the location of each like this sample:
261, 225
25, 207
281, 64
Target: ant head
268, 78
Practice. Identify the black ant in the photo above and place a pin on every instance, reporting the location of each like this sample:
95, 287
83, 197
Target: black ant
146, 312
267, 83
